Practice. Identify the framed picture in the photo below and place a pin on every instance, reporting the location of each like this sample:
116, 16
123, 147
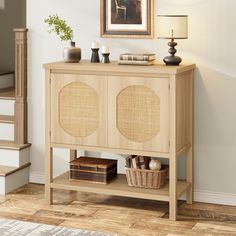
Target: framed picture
127, 18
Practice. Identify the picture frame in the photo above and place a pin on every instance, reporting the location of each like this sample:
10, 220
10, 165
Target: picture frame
127, 18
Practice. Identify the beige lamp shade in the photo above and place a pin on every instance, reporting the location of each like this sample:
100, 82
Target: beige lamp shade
172, 26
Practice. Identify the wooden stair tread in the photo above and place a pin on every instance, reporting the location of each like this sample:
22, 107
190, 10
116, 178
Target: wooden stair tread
8, 170
7, 93
6, 72
10, 145
7, 119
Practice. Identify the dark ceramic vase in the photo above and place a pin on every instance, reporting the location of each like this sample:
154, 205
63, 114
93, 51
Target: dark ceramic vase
72, 54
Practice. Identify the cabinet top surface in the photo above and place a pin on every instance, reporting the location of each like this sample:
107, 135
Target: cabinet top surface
86, 65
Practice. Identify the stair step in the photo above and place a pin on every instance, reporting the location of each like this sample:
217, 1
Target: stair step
7, 72
7, 93
7, 107
7, 119
7, 132
10, 145
8, 170
6, 79
14, 157
12, 178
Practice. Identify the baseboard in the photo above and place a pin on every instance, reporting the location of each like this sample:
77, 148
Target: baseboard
36, 177
199, 195
215, 197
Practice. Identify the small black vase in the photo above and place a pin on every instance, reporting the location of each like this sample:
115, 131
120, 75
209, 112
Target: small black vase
72, 54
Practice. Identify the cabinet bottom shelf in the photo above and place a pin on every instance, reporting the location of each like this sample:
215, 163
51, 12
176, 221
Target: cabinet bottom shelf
118, 187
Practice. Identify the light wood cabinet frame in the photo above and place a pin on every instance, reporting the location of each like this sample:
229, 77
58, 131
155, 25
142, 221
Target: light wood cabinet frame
174, 87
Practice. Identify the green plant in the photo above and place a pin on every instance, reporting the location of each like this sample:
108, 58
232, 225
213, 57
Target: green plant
59, 27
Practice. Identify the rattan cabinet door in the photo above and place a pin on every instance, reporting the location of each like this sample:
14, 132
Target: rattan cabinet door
79, 109
138, 113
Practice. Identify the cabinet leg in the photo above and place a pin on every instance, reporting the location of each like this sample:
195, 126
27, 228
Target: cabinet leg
173, 188
189, 154
173, 210
48, 175
189, 175
173, 197
48, 195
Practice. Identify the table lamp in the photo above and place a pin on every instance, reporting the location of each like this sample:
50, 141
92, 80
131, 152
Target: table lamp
172, 27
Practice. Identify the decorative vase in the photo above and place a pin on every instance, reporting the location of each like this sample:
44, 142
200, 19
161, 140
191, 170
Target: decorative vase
72, 54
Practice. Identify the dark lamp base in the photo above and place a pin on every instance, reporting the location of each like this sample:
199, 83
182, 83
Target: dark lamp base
172, 60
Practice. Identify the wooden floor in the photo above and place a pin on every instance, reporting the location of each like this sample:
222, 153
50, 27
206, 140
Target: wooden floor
124, 216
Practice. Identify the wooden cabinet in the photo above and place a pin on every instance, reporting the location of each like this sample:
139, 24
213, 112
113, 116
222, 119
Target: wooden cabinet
79, 109
121, 109
138, 113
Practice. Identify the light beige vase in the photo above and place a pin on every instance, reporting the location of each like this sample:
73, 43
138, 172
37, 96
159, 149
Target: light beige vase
72, 54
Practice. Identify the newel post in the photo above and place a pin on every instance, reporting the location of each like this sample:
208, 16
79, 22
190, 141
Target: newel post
21, 86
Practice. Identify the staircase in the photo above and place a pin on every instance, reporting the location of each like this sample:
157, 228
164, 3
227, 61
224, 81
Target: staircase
14, 147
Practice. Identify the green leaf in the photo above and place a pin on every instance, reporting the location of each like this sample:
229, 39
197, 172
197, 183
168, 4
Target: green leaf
59, 27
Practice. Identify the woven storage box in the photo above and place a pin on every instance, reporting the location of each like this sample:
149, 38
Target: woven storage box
147, 178
95, 170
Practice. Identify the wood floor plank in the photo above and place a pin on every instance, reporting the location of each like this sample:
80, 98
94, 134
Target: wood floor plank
123, 216
30, 218
9, 208
210, 207
205, 211
220, 229
96, 224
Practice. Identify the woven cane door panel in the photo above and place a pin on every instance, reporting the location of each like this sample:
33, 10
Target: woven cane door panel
138, 113
79, 109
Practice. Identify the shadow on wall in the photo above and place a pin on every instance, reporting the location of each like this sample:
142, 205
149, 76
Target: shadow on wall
215, 129
2, 4
12, 15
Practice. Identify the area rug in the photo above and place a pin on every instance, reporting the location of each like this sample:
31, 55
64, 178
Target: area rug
22, 228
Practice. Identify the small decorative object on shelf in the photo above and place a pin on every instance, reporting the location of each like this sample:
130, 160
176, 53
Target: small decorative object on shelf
95, 55
105, 58
144, 59
139, 162
138, 173
138, 56
95, 170
105, 54
172, 27
139, 63
154, 164
70, 54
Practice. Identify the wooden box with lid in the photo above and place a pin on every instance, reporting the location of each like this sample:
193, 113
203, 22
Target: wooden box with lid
94, 170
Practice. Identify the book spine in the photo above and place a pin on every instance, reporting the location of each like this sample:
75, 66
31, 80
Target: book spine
127, 62
137, 57
136, 162
142, 163
128, 161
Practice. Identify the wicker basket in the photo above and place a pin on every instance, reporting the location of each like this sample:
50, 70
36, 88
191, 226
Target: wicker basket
147, 178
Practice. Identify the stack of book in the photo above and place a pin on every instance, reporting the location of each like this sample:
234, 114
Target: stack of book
144, 59
138, 162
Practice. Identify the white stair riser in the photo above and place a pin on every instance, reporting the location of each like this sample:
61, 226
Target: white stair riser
7, 107
14, 181
7, 132
14, 158
6, 81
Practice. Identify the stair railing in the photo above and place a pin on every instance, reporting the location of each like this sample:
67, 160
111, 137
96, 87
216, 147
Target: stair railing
21, 123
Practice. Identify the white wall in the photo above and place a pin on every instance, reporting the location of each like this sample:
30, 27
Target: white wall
210, 45
12, 15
